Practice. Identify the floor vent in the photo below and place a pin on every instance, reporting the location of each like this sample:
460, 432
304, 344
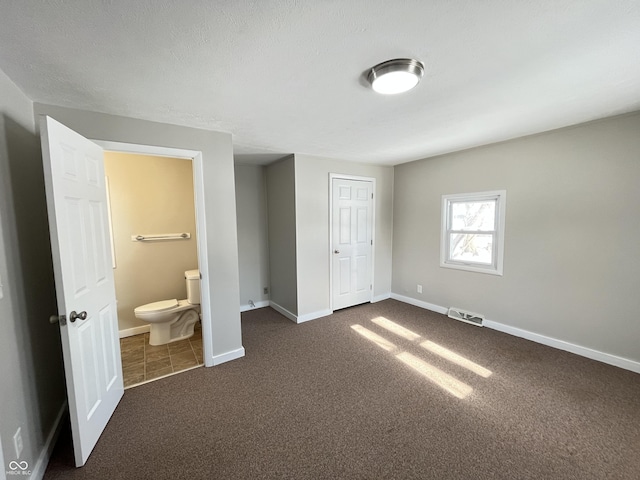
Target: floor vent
464, 316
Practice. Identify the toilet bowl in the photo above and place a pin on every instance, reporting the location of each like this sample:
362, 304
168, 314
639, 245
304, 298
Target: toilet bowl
173, 320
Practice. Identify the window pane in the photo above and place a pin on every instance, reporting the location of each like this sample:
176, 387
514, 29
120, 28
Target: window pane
471, 247
473, 215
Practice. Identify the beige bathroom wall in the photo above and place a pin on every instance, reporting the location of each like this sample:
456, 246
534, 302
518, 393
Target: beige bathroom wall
150, 195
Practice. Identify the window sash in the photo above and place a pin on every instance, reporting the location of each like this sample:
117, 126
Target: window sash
468, 261
450, 216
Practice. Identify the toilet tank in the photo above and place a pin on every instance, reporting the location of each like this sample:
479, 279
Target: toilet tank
193, 286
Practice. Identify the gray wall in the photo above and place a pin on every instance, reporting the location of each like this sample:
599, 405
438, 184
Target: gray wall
281, 201
253, 244
222, 244
571, 262
312, 229
32, 389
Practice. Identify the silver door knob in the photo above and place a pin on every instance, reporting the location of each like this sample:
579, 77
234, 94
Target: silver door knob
53, 319
73, 316
336, 251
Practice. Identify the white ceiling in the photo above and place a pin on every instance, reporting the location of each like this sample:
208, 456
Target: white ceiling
286, 76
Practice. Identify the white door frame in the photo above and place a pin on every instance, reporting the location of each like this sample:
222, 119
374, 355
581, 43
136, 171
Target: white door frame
203, 258
332, 176
3, 476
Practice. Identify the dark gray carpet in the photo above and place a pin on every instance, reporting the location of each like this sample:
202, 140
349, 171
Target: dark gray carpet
319, 400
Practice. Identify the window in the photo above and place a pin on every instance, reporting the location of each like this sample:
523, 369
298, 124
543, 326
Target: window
473, 231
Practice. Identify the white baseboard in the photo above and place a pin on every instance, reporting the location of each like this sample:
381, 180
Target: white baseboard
312, 316
37, 472
420, 303
245, 308
379, 298
228, 356
299, 318
3, 476
603, 357
283, 311
566, 346
130, 332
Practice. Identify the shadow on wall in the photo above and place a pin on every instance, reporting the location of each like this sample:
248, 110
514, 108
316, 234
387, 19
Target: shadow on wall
28, 250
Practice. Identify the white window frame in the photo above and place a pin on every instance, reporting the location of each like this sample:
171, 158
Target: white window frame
496, 268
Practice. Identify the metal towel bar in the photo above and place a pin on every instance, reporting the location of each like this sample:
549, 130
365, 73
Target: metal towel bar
163, 236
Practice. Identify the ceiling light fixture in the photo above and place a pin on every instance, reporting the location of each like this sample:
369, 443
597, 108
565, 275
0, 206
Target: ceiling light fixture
395, 76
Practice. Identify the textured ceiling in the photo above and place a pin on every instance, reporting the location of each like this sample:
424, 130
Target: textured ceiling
285, 76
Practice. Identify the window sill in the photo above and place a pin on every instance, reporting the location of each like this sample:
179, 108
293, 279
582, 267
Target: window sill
472, 268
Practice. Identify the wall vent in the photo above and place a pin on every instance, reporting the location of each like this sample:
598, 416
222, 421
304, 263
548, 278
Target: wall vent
464, 316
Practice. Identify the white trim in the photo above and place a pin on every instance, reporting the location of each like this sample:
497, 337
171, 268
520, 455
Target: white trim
110, 220
164, 376
299, 318
597, 355
201, 227
228, 356
358, 178
313, 315
283, 311
146, 149
379, 298
420, 303
37, 472
203, 261
603, 357
2, 467
500, 197
245, 308
130, 332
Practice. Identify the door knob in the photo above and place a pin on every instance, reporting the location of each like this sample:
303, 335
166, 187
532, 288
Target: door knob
336, 251
73, 316
53, 319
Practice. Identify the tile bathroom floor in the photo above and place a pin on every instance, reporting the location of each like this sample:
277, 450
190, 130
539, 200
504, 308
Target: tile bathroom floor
142, 362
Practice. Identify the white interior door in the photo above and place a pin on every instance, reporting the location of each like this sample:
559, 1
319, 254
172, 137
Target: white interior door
76, 202
351, 245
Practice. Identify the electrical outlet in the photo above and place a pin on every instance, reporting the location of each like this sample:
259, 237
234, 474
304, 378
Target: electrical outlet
265, 290
17, 442
419, 288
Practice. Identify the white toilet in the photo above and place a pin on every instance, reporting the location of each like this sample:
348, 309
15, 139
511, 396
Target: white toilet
173, 320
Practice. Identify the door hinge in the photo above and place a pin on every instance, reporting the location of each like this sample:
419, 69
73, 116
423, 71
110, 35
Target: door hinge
371, 242
370, 287
372, 196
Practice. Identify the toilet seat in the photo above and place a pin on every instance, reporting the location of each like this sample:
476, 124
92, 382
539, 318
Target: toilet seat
156, 307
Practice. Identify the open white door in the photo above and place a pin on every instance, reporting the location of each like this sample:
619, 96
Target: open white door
76, 201
352, 234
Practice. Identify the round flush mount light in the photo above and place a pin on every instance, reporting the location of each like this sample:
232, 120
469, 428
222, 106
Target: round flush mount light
395, 76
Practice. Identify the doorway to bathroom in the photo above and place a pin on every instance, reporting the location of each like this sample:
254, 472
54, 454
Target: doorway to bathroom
154, 244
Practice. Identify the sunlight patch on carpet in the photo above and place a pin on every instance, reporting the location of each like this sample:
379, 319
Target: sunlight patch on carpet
375, 338
443, 380
433, 347
437, 376
393, 327
455, 358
